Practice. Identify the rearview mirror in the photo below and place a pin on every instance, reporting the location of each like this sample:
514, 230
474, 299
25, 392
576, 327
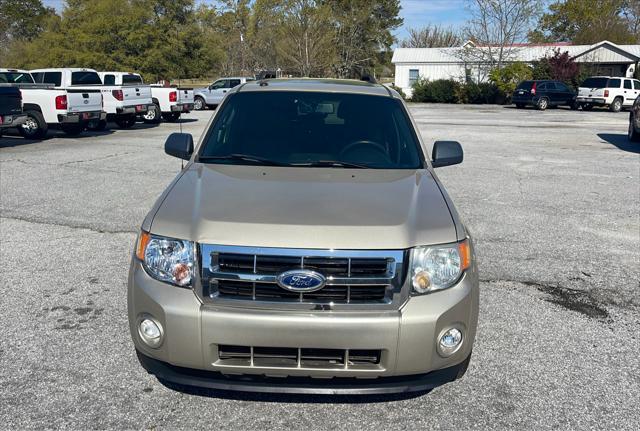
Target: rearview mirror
179, 145
446, 153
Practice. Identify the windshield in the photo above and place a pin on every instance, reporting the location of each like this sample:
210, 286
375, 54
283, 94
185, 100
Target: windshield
85, 78
312, 129
595, 83
131, 79
15, 78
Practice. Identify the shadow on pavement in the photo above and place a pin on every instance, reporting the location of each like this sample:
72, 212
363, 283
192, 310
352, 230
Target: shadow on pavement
621, 140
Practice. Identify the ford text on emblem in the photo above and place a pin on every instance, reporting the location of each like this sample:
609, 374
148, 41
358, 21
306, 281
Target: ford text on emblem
301, 280
86, 102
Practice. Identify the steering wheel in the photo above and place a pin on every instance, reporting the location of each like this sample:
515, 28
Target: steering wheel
370, 144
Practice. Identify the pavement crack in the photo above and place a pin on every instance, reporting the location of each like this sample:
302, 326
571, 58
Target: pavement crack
69, 225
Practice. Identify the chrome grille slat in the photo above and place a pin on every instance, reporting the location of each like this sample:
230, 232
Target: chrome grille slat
353, 277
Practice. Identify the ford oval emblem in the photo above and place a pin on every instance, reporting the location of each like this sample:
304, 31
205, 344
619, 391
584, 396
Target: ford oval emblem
301, 280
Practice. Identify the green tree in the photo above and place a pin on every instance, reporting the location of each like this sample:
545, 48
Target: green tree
508, 77
306, 40
20, 22
587, 22
362, 28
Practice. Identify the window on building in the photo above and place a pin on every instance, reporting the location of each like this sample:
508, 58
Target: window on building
414, 75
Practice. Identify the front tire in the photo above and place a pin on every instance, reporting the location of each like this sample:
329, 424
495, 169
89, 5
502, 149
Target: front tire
616, 105
73, 129
199, 104
542, 104
634, 136
35, 127
172, 117
126, 122
97, 125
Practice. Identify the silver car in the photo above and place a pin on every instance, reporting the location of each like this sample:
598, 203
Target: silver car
314, 251
212, 95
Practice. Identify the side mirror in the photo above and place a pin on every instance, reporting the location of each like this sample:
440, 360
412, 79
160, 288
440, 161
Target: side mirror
446, 153
179, 145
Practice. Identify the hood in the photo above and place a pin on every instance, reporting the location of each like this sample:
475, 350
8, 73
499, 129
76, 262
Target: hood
305, 208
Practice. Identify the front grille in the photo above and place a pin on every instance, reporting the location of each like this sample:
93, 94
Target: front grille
266, 291
352, 277
273, 265
288, 357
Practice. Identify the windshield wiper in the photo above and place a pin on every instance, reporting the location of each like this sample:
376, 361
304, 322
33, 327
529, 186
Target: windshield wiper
332, 164
243, 157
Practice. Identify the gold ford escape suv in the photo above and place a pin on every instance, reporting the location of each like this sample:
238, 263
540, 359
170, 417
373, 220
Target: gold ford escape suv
306, 247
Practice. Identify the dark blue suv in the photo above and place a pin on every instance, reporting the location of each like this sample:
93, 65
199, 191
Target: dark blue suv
543, 94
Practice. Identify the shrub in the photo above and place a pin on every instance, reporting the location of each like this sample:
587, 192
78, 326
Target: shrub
399, 90
508, 77
480, 94
439, 91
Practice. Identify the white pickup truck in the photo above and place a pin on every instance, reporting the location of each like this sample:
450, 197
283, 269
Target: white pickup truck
121, 103
47, 107
615, 93
127, 98
167, 102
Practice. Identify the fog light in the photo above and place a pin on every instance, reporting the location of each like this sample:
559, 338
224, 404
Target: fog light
150, 332
450, 341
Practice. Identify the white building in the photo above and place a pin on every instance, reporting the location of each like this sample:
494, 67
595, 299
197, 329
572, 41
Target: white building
462, 63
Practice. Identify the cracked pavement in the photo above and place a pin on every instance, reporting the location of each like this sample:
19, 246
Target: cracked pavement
552, 199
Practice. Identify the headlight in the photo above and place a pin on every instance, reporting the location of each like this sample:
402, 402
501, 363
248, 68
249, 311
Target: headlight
438, 267
166, 259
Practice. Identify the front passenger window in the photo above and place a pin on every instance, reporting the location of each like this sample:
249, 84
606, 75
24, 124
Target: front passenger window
217, 85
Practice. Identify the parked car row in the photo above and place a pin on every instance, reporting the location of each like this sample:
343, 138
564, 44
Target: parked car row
614, 93
74, 99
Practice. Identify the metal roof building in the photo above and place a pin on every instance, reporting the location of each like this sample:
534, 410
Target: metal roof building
467, 61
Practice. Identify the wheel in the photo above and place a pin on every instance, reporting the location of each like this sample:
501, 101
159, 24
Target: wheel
542, 104
35, 127
519, 105
152, 116
73, 129
126, 122
634, 136
97, 125
172, 117
616, 105
199, 104
587, 107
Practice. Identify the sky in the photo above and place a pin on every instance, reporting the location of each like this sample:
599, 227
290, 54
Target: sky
416, 13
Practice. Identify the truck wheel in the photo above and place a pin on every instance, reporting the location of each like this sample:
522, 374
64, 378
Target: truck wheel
172, 117
199, 104
126, 122
542, 104
35, 127
73, 129
97, 125
152, 116
633, 135
616, 105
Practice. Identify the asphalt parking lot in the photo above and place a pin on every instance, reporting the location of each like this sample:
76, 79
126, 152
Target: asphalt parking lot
552, 198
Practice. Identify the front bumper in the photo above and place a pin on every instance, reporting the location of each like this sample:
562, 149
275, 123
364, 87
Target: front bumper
13, 120
301, 385
406, 338
81, 116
